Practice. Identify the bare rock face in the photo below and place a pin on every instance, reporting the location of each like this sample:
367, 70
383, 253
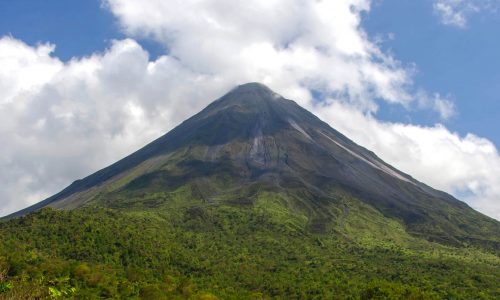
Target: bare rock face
253, 140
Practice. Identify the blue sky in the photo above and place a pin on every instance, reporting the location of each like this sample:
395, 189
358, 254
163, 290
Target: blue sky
461, 62
78, 28
417, 82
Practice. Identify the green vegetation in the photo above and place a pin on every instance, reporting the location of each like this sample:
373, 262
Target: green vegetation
198, 250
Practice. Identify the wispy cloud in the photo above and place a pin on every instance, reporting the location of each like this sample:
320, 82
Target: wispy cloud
457, 12
444, 106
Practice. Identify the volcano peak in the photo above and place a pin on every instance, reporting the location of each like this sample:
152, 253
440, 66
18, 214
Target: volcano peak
251, 87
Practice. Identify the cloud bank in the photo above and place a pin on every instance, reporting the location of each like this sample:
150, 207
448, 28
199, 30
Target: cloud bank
62, 121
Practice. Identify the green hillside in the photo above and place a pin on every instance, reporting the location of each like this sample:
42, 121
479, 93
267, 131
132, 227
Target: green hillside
233, 251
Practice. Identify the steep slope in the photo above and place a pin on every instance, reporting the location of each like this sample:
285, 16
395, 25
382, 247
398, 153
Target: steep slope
251, 142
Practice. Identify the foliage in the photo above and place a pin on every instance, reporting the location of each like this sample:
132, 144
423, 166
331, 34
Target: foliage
6, 286
226, 252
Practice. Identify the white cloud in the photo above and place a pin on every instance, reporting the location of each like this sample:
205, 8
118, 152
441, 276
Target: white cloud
18, 60
285, 43
457, 12
65, 120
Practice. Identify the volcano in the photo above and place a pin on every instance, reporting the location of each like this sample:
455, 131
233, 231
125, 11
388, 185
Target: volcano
253, 141
254, 197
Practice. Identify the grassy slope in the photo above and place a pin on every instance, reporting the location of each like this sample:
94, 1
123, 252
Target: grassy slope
178, 245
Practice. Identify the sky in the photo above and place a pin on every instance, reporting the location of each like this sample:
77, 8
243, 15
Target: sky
84, 83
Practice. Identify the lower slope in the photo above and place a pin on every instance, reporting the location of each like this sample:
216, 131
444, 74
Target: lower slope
270, 246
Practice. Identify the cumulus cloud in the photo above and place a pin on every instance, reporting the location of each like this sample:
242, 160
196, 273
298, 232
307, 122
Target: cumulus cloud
62, 121
285, 43
457, 12
19, 61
